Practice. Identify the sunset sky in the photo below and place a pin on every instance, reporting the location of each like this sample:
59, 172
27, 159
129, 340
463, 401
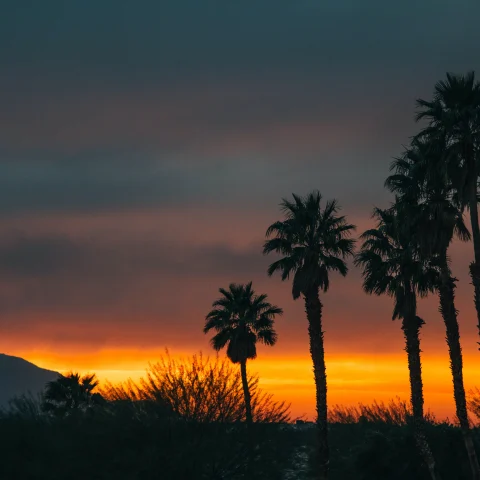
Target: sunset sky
145, 147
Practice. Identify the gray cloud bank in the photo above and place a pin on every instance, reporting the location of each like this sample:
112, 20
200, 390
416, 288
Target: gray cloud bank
58, 273
112, 105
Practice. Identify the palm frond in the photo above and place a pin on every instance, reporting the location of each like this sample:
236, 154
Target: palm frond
392, 262
240, 318
310, 234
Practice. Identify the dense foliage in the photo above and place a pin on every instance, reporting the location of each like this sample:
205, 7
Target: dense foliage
117, 443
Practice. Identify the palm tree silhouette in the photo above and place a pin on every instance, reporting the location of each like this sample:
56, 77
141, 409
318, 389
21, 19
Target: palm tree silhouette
454, 113
71, 392
393, 265
435, 216
240, 319
314, 241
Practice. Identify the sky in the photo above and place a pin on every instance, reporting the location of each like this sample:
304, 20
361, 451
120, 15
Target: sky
145, 148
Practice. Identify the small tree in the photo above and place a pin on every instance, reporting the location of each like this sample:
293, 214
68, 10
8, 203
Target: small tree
71, 393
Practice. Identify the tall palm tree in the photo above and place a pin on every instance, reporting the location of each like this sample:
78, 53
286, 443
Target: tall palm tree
392, 265
313, 242
454, 113
71, 392
436, 220
240, 319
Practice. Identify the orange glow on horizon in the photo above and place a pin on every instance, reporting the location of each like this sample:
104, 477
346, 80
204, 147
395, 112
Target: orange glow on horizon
351, 379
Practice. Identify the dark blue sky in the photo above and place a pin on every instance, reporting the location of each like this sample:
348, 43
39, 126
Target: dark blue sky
105, 102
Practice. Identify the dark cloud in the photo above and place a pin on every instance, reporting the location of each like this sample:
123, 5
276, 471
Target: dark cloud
23, 256
109, 105
150, 292
179, 36
293, 115
43, 256
62, 274
27, 187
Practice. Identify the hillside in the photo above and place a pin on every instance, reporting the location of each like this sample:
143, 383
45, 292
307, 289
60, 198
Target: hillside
17, 376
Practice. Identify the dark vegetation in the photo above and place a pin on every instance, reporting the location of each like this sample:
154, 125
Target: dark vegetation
176, 424
184, 420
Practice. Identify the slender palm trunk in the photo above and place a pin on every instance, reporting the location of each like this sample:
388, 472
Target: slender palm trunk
246, 392
473, 207
248, 414
449, 313
411, 328
313, 308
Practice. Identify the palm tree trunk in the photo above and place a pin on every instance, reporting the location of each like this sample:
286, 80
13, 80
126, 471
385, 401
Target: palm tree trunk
249, 419
475, 265
449, 313
246, 392
411, 328
473, 207
313, 308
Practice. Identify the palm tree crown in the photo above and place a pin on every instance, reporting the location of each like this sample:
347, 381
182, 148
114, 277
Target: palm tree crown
431, 208
240, 319
313, 242
71, 392
453, 110
454, 114
392, 263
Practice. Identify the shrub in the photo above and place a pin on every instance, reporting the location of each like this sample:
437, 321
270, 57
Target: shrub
199, 389
395, 412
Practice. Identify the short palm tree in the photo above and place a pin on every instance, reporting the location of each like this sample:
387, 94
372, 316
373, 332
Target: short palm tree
454, 113
313, 242
392, 265
70, 393
240, 319
436, 219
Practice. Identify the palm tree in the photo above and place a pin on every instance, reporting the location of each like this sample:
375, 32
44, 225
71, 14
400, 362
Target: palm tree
438, 219
313, 241
454, 113
392, 265
240, 319
71, 392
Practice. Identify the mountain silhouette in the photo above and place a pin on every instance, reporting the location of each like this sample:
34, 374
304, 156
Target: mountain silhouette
17, 377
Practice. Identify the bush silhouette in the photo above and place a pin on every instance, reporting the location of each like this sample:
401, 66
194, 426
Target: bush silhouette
198, 389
